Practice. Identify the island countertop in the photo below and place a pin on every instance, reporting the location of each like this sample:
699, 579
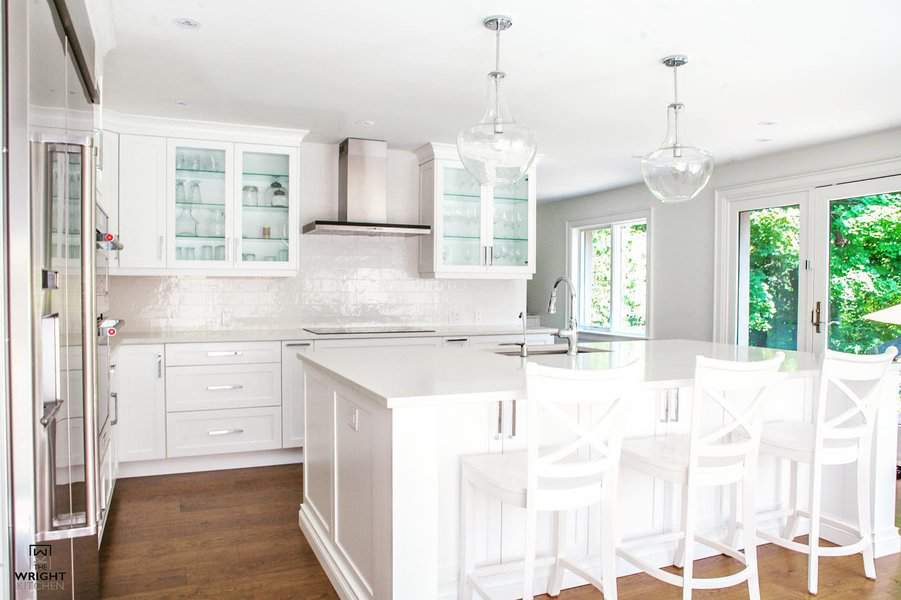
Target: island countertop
400, 376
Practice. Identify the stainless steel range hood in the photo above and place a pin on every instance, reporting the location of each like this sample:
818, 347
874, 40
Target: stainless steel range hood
362, 186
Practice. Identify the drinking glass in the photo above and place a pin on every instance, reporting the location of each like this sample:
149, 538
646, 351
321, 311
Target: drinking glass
190, 253
180, 195
251, 195
220, 252
206, 253
194, 192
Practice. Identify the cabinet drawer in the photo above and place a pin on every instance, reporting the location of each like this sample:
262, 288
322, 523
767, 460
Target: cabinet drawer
225, 353
221, 431
223, 386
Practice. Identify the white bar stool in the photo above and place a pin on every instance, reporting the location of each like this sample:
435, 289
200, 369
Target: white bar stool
719, 454
841, 433
573, 473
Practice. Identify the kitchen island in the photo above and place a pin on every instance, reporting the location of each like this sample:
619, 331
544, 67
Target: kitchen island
385, 430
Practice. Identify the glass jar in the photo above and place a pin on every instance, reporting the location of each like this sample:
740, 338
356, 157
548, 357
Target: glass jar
186, 224
251, 195
279, 195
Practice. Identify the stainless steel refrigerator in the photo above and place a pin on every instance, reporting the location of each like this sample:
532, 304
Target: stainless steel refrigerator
56, 378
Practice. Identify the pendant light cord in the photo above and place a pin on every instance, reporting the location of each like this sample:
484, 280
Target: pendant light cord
498, 126
677, 106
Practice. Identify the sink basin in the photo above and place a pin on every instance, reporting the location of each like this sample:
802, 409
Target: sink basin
550, 349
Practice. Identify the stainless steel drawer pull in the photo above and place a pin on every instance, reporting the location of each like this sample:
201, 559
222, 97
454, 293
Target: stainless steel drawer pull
221, 388
224, 353
298, 344
449, 340
215, 432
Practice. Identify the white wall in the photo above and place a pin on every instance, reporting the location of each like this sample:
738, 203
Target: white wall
682, 235
342, 279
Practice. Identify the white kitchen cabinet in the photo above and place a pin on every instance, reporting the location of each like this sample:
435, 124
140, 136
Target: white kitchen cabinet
211, 387
267, 201
319, 455
208, 432
293, 393
142, 402
207, 199
141, 209
477, 231
199, 204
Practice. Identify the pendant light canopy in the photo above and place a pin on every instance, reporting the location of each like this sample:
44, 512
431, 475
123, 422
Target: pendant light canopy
676, 172
497, 150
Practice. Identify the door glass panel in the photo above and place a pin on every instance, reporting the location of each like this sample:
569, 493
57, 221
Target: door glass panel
864, 271
768, 271
461, 209
511, 224
264, 207
199, 204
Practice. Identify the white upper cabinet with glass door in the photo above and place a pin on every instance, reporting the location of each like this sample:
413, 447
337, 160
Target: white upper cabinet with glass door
477, 232
200, 212
267, 201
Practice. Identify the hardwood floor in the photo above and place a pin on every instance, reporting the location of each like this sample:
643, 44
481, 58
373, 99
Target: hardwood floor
233, 535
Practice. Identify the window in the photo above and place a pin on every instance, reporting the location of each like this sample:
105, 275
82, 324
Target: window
612, 271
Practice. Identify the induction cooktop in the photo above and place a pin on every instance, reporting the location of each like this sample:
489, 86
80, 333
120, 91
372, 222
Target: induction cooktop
366, 329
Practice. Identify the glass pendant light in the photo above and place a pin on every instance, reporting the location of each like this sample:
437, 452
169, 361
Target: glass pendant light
676, 172
497, 150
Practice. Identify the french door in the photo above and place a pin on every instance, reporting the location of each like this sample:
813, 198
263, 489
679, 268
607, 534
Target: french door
857, 251
808, 266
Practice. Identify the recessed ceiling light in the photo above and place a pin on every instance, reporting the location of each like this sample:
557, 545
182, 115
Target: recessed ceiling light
766, 123
366, 123
764, 140
181, 103
187, 23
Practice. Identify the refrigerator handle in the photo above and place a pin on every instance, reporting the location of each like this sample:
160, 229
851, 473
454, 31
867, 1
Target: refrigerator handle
89, 338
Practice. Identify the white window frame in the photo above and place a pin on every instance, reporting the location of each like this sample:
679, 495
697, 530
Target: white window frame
573, 241
731, 200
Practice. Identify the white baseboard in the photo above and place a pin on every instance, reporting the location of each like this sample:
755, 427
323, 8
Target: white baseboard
322, 548
217, 462
885, 542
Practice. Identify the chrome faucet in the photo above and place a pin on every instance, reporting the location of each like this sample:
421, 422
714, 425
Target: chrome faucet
570, 334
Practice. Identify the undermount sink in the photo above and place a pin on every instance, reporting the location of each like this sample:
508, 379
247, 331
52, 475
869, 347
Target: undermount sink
550, 349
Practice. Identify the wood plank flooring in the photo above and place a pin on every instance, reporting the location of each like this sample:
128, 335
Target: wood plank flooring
233, 535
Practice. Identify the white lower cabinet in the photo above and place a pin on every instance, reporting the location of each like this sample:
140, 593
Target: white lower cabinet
319, 451
222, 386
293, 393
142, 402
204, 432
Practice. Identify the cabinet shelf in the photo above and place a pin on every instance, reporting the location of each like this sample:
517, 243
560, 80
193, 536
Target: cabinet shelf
204, 171
268, 239
475, 237
257, 174
208, 205
478, 198
282, 209
199, 238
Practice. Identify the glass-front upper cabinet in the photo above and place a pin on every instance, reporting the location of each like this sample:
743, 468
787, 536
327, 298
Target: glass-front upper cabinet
266, 198
460, 227
477, 231
200, 208
511, 225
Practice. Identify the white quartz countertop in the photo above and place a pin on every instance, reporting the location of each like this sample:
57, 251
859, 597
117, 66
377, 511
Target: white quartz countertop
405, 376
265, 335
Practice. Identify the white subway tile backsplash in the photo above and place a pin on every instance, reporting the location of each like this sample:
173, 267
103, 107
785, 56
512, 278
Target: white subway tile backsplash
342, 280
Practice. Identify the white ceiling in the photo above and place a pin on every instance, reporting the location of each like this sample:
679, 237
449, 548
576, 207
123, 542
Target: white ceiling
584, 74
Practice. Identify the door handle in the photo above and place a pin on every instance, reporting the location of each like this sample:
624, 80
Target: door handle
815, 317
115, 397
217, 432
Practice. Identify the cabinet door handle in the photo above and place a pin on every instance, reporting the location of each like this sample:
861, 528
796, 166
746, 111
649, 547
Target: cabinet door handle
298, 344
513, 421
815, 318
223, 388
217, 353
216, 432
452, 340
500, 418
159, 366
355, 419
491, 255
115, 397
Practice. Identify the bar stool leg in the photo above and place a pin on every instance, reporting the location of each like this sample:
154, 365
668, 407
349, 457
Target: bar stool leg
560, 531
749, 528
813, 559
679, 559
863, 509
529, 560
791, 524
688, 551
464, 587
609, 539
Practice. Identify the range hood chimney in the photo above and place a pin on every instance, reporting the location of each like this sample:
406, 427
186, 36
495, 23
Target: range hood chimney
362, 190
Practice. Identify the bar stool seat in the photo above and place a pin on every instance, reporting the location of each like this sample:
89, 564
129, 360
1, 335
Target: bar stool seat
666, 457
795, 440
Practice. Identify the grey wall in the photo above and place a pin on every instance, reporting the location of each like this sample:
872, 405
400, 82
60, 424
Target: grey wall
682, 235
